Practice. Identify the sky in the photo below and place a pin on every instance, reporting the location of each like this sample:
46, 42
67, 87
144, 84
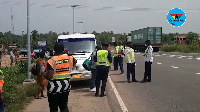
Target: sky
120, 16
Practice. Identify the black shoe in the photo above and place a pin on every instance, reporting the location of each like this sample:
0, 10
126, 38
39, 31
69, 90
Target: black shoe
134, 80
143, 81
102, 95
96, 94
129, 81
148, 80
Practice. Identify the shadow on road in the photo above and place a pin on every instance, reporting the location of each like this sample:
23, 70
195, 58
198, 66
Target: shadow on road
120, 82
76, 85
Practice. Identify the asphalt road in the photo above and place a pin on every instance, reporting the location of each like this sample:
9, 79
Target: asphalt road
175, 85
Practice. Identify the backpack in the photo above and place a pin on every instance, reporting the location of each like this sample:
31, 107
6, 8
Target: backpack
87, 64
34, 70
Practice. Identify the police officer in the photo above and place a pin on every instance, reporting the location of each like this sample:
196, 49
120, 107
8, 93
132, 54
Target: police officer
148, 56
115, 64
58, 73
103, 59
130, 60
120, 56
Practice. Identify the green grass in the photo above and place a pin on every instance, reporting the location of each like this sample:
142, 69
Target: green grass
181, 48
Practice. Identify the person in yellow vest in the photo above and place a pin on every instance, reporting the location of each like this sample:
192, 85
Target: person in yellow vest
120, 56
1, 92
115, 63
58, 73
130, 60
148, 57
103, 59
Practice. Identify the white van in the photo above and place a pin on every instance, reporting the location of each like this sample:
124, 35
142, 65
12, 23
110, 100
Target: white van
81, 47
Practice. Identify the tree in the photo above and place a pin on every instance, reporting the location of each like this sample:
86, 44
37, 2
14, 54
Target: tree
191, 38
34, 35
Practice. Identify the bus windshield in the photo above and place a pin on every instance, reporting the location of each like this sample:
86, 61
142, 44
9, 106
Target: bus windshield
79, 45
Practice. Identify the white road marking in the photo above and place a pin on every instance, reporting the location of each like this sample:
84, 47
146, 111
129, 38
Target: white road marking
159, 63
164, 54
198, 58
174, 67
171, 55
198, 73
121, 103
180, 57
157, 55
183, 56
190, 58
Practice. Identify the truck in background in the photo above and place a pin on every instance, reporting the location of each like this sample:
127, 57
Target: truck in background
138, 38
81, 47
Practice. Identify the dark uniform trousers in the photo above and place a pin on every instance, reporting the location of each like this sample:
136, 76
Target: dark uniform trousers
120, 61
115, 63
58, 99
131, 70
147, 74
102, 75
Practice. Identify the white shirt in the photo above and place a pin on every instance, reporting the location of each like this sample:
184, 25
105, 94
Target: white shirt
127, 52
149, 54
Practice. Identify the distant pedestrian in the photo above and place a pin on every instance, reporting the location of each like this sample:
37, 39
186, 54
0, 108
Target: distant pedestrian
148, 56
120, 56
58, 73
115, 63
12, 56
103, 59
41, 81
130, 60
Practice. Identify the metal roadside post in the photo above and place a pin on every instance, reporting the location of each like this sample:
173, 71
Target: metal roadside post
29, 45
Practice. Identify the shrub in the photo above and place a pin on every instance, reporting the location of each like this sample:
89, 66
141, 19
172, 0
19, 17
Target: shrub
181, 48
16, 95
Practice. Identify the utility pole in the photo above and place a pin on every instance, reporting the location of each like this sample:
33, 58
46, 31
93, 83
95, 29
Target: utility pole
22, 38
73, 6
81, 25
12, 24
29, 44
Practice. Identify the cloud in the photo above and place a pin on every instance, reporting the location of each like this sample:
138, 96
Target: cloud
104, 8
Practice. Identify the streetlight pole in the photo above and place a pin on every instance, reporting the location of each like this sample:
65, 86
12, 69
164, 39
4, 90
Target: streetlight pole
80, 26
73, 6
29, 44
22, 38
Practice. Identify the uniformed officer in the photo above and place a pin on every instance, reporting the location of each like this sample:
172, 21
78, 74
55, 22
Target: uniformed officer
58, 73
130, 60
115, 63
103, 59
148, 56
120, 56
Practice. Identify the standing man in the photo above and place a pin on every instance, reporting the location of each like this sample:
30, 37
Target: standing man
115, 64
148, 56
58, 73
103, 59
120, 56
130, 60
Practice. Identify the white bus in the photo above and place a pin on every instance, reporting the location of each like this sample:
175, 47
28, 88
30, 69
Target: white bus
81, 47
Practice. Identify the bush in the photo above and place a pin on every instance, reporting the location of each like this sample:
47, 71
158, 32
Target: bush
16, 95
181, 48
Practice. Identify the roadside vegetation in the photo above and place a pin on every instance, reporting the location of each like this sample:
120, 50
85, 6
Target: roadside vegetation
192, 44
16, 95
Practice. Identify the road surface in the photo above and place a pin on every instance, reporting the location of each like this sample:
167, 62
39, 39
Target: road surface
175, 85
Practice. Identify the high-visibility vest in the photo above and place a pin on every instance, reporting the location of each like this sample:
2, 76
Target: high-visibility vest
62, 66
102, 58
120, 50
116, 51
1, 81
131, 55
